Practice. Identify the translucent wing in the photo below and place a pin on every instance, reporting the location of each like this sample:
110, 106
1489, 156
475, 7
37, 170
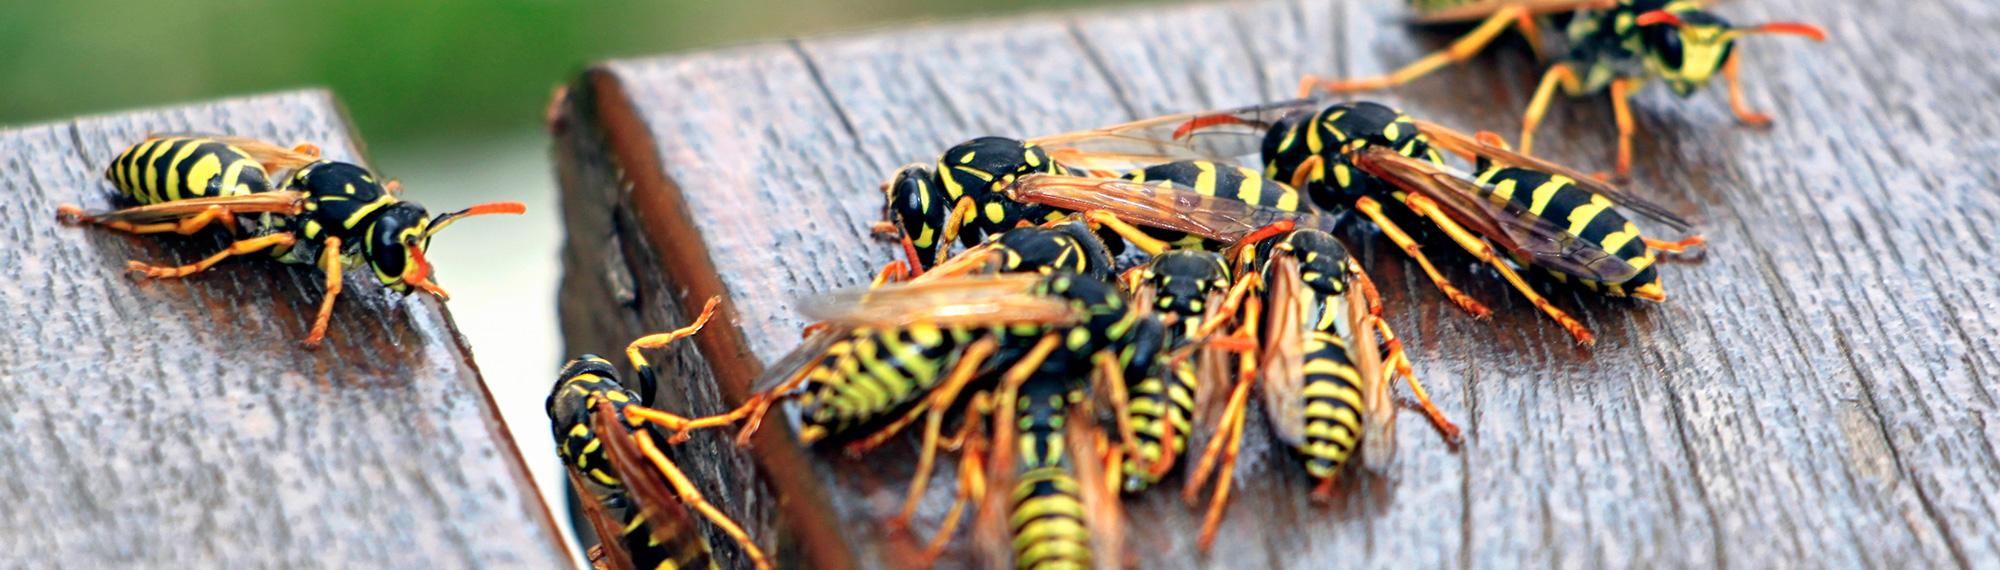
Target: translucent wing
610, 553
1378, 422
1543, 242
666, 518
1103, 510
1459, 143
1160, 206
1221, 135
1476, 10
283, 202
794, 363
1284, 352
275, 158
959, 301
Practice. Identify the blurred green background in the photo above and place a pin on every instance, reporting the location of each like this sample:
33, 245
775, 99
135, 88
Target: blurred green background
449, 97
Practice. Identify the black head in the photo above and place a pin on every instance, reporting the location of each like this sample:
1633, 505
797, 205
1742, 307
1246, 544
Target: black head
1687, 46
915, 203
400, 232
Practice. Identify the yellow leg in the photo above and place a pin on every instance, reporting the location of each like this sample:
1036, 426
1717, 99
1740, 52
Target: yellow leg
1138, 237
241, 247
1303, 174
1458, 52
329, 263
1112, 377
936, 406
1558, 74
1681, 246
971, 490
1479, 249
1239, 401
1621, 109
691, 496
1401, 361
1369, 207
1732, 75
639, 362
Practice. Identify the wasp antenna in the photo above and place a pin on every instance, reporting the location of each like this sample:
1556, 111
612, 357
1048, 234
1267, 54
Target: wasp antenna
447, 218
1785, 29
1659, 17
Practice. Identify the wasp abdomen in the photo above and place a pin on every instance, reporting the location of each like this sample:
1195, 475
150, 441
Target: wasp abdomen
875, 372
1333, 406
165, 169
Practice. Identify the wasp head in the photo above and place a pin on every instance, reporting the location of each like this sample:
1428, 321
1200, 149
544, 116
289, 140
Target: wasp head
1687, 47
400, 233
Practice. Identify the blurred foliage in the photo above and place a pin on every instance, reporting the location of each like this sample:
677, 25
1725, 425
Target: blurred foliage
405, 69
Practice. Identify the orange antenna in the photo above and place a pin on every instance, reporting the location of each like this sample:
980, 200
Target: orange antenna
1784, 29
1658, 18
446, 219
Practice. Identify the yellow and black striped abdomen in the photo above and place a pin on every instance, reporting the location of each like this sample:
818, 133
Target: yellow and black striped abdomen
1217, 182
1588, 216
1333, 407
165, 169
875, 372
1049, 529
1162, 417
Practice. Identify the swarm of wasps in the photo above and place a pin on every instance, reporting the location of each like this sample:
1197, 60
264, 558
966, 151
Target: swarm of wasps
1062, 380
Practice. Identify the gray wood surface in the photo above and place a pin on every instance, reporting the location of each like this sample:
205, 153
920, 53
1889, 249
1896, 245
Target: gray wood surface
180, 424
1817, 391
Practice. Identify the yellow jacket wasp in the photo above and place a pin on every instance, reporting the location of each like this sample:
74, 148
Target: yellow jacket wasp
326, 212
1615, 46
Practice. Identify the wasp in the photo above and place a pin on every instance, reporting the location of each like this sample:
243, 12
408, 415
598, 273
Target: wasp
1615, 46
1066, 245
1321, 374
325, 212
961, 197
608, 437
1368, 158
892, 355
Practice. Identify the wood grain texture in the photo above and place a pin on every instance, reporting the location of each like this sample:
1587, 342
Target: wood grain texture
1818, 390
179, 423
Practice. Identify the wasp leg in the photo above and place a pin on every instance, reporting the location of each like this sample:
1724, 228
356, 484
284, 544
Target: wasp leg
1369, 207
1461, 50
1681, 246
1367, 285
1479, 249
1558, 74
1112, 377
934, 410
1732, 75
1401, 361
186, 226
1227, 441
329, 263
648, 378
1138, 237
691, 496
241, 247
971, 490
1621, 109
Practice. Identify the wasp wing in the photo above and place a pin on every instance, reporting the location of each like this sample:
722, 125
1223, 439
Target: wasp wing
1157, 205
1541, 241
279, 202
958, 301
275, 158
1481, 9
609, 554
1459, 143
1103, 512
1221, 135
1284, 353
666, 519
1378, 420
794, 363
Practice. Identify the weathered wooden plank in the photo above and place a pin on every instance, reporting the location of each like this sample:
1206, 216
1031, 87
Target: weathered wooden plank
1816, 390
179, 423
